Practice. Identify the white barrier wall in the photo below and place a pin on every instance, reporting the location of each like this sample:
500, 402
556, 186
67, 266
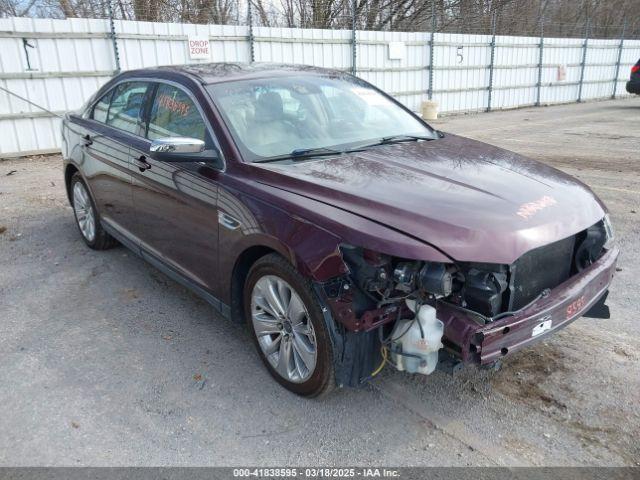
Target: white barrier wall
58, 64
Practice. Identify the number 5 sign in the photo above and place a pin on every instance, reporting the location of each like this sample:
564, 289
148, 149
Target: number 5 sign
199, 48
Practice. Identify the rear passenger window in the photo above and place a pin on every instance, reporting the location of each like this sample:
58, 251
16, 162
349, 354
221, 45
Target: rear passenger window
126, 106
174, 114
102, 108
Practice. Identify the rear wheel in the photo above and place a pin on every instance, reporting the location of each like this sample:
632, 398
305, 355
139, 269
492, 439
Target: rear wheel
86, 216
288, 327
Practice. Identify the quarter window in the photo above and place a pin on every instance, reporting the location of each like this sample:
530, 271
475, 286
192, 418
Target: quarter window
174, 114
126, 106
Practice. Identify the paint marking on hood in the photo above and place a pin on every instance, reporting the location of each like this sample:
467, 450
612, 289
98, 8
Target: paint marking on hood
529, 209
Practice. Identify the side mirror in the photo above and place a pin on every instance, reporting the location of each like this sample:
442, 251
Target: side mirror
182, 150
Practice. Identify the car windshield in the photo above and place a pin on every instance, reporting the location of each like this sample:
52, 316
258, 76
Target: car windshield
278, 117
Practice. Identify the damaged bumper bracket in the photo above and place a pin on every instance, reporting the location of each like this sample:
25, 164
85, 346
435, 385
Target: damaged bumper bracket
580, 295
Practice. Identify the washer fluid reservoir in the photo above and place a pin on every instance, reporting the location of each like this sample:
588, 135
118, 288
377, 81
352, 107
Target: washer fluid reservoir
415, 342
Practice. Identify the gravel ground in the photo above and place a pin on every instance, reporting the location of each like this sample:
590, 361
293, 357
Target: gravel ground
105, 361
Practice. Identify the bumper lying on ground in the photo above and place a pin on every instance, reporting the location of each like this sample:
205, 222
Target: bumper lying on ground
485, 344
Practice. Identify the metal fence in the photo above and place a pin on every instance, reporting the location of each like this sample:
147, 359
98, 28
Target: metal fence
58, 63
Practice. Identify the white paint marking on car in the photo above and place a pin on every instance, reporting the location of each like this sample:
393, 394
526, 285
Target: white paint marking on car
541, 327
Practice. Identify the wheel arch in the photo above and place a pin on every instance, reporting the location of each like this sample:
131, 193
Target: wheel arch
69, 170
311, 261
241, 268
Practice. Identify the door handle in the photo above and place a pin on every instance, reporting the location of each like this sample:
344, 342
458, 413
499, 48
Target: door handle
141, 163
87, 140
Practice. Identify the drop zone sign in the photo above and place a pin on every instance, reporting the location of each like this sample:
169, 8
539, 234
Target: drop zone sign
199, 48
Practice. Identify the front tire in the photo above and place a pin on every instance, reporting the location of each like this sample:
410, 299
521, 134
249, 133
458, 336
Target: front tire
86, 215
288, 327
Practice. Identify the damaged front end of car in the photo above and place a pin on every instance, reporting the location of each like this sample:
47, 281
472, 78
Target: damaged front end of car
416, 315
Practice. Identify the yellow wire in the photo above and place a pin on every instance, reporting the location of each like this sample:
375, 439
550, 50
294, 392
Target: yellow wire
383, 350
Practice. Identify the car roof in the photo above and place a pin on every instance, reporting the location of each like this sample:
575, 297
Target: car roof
208, 73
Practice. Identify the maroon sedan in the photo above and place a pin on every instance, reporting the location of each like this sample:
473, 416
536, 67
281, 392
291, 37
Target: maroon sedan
342, 228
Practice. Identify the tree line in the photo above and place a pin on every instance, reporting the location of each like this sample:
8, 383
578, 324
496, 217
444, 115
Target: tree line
600, 18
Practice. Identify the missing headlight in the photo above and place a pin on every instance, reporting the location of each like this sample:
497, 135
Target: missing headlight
369, 270
385, 275
437, 278
592, 244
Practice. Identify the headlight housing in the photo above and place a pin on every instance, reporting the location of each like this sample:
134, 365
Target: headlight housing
385, 274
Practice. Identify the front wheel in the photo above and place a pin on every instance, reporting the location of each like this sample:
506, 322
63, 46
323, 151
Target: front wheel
288, 328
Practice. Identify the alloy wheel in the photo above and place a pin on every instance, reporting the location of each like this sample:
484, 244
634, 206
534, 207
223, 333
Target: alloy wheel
284, 329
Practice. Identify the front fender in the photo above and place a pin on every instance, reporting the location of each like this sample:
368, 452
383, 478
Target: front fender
312, 250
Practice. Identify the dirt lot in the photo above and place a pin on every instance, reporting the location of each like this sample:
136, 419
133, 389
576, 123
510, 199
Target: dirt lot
105, 361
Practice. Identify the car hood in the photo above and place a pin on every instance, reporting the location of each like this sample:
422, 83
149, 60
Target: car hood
473, 201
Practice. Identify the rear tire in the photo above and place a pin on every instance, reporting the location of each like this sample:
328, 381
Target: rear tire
288, 328
87, 217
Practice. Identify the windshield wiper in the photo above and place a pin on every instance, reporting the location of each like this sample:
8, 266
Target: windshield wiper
397, 139
301, 153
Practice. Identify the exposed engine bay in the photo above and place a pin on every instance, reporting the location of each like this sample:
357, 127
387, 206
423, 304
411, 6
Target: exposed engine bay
399, 298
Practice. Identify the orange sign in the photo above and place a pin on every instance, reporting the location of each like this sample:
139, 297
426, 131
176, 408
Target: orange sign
181, 108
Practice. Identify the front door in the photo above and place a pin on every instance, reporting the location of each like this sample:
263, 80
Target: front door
176, 204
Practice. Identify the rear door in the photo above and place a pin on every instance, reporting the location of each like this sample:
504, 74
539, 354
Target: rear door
176, 204
107, 132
